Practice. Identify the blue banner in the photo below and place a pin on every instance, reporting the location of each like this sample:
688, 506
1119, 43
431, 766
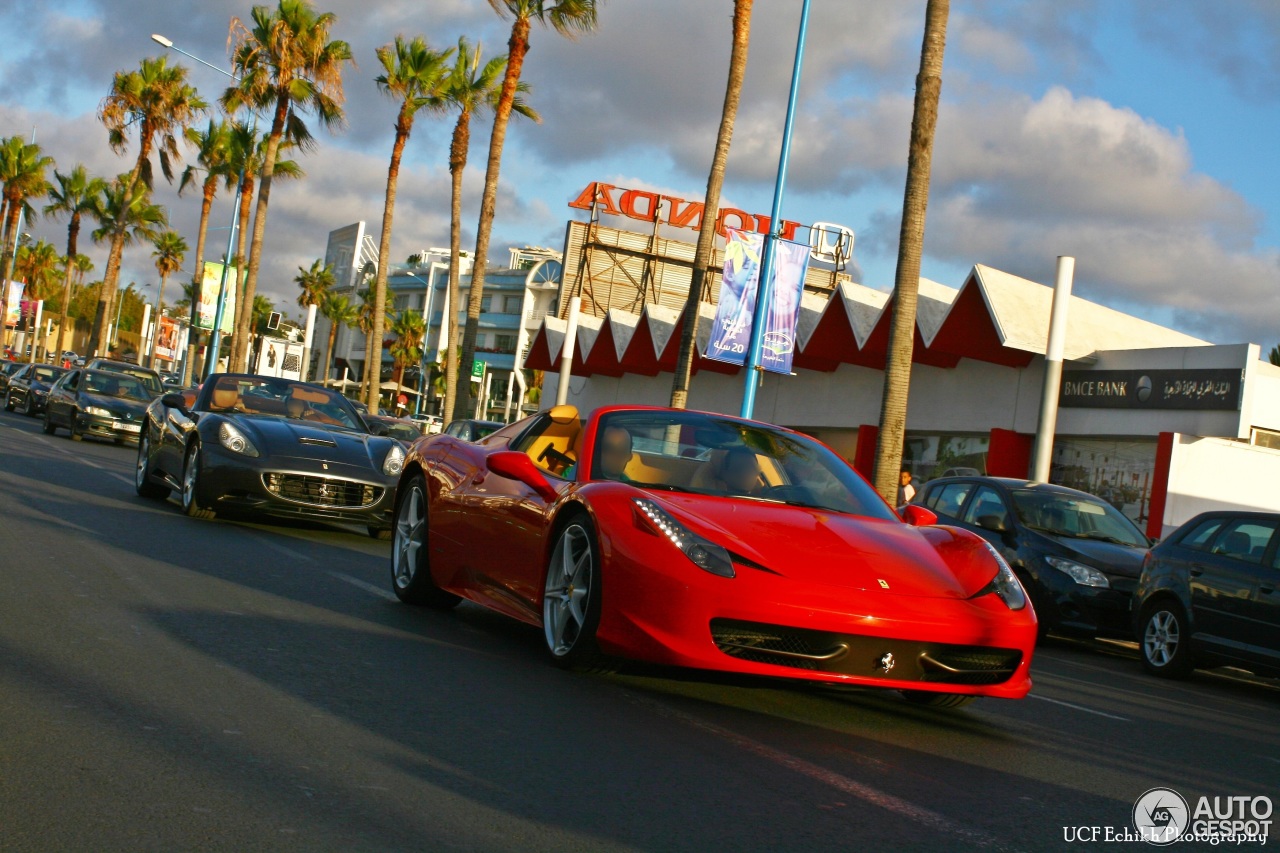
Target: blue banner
731, 334
790, 263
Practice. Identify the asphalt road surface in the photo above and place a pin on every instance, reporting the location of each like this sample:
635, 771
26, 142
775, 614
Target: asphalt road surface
170, 684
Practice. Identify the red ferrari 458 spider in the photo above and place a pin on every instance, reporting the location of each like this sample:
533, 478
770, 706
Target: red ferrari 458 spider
706, 541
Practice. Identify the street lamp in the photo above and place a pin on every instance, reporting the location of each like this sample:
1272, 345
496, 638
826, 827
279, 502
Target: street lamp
426, 316
215, 336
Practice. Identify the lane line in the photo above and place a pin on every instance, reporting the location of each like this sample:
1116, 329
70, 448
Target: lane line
1079, 708
270, 542
868, 794
367, 587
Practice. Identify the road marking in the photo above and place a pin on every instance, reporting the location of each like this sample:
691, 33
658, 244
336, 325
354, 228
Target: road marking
1079, 708
276, 546
84, 459
367, 587
1276, 760
866, 793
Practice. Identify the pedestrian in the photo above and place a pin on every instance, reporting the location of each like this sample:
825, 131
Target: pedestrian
906, 491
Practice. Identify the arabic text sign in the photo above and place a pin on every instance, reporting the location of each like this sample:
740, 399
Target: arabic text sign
1203, 389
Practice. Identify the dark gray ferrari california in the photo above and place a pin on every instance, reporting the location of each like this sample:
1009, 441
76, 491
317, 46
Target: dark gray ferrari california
259, 445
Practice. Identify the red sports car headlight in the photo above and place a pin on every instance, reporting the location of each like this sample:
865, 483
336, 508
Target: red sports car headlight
703, 553
1005, 584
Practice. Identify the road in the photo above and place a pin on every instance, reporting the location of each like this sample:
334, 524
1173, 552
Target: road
170, 684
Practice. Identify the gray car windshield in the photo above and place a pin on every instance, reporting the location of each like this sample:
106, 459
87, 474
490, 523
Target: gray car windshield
282, 398
115, 385
1076, 517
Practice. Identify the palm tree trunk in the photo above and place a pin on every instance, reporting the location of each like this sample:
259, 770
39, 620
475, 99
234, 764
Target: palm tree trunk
73, 235
260, 216
449, 319
193, 342
897, 374
6, 260
111, 276
328, 350
404, 125
244, 310
711, 203
517, 48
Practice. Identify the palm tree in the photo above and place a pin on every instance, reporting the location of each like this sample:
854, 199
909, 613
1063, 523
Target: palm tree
170, 252
314, 283
287, 64
416, 76
409, 329
38, 264
158, 100
372, 374
339, 311
472, 87
75, 195
915, 202
213, 158
1274, 355
124, 217
568, 18
22, 169
711, 202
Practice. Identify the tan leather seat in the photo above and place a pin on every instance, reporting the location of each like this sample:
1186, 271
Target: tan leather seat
225, 398
557, 447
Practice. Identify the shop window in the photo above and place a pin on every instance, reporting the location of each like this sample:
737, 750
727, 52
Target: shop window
932, 455
1120, 472
504, 343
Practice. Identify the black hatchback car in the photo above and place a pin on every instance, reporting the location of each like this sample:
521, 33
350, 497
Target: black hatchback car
1210, 595
29, 388
8, 367
1077, 556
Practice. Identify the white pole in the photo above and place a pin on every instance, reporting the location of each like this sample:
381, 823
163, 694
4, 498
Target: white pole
506, 410
306, 343
144, 342
35, 330
1043, 454
566, 351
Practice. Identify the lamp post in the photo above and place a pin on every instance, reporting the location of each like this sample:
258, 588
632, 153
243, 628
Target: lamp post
215, 335
764, 290
426, 316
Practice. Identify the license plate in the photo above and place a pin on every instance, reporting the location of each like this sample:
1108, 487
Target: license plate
131, 427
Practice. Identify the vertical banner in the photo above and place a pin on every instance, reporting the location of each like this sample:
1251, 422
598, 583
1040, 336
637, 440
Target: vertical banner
207, 307
731, 333
790, 263
13, 312
166, 346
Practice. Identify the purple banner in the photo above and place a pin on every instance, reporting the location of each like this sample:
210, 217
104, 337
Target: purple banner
731, 334
790, 263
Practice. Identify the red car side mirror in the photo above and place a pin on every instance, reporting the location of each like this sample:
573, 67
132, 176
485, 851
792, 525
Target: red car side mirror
514, 465
918, 516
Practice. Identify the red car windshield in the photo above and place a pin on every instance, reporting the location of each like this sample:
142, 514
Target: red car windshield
706, 454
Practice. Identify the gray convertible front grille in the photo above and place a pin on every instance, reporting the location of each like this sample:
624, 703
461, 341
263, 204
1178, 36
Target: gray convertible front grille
321, 491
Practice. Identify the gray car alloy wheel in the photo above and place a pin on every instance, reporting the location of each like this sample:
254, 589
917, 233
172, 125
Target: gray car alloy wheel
568, 590
1161, 638
409, 537
144, 450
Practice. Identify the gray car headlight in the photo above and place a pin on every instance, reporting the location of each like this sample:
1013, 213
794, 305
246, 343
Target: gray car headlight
235, 440
97, 411
1078, 572
394, 463
704, 553
1005, 584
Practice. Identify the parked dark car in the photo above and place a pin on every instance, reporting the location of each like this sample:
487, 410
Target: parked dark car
264, 446
471, 430
29, 388
403, 430
1210, 596
1077, 556
149, 378
8, 367
96, 403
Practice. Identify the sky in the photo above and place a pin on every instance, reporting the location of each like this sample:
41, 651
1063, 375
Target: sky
1138, 136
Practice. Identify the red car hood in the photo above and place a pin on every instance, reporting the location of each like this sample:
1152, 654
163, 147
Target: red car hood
823, 547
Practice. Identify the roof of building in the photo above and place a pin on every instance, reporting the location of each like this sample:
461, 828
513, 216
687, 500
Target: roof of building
994, 316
